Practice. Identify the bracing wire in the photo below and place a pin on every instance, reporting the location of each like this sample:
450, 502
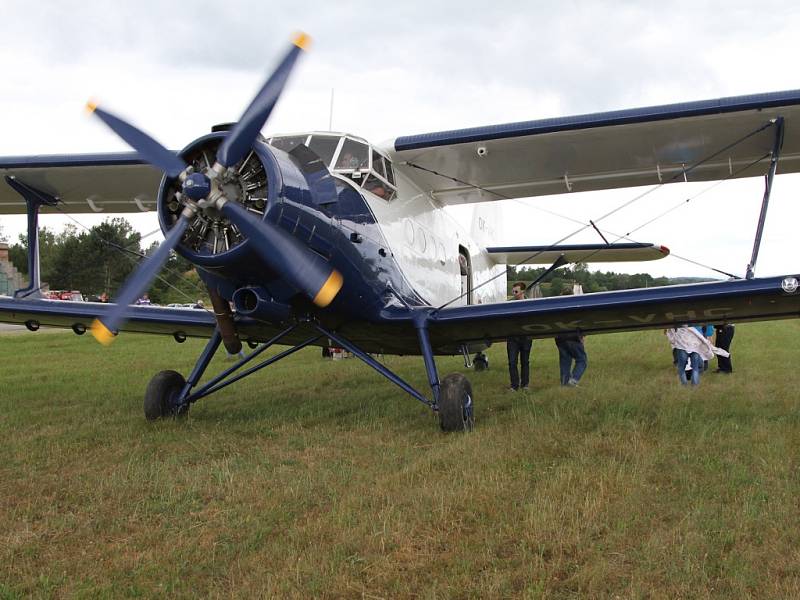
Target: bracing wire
133, 255
593, 222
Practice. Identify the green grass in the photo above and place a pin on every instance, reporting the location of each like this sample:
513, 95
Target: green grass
319, 479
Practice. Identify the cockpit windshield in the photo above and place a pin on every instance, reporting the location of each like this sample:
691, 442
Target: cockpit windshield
349, 157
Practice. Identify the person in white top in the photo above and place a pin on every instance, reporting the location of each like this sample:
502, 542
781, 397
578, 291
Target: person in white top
694, 347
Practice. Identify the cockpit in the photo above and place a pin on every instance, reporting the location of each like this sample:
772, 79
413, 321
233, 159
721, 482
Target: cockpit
348, 156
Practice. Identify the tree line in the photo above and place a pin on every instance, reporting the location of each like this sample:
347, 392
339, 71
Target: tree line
591, 281
100, 259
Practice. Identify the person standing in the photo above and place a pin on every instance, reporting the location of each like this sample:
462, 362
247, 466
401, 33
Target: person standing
693, 347
519, 349
724, 340
570, 348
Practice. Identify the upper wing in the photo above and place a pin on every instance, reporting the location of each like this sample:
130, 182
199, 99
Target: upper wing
657, 307
605, 150
110, 183
577, 253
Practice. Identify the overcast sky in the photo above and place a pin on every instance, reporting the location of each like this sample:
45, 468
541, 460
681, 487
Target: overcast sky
176, 68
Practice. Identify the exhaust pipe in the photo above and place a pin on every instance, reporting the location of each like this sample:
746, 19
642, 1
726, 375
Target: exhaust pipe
224, 318
257, 303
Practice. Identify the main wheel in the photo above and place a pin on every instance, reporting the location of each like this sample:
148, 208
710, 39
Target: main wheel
480, 362
455, 403
161, 396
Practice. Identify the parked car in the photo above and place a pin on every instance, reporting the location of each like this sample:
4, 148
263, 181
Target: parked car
71, 295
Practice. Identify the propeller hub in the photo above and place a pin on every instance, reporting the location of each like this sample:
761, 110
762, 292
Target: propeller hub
196, 186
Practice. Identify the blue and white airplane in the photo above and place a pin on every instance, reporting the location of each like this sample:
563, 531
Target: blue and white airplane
323, 239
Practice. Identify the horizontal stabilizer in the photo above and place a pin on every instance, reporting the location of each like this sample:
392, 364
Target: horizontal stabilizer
577, 253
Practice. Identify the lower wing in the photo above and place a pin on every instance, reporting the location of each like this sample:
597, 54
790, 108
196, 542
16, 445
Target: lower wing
627, 310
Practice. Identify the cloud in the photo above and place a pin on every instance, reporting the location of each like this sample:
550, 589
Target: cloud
398, 69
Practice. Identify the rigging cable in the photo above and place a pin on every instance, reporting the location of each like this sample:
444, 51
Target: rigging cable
584, 226
127, 252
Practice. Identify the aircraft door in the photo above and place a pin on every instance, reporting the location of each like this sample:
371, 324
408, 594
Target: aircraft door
465, 266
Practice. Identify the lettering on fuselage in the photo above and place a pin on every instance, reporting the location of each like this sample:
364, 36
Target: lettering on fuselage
709, 314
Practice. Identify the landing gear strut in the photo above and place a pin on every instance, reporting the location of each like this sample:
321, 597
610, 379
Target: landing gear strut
169, 395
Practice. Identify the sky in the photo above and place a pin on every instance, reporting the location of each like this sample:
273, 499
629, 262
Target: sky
176, 68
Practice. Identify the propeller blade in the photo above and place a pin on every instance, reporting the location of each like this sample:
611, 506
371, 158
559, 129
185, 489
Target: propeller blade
156, 154
241, 137
301, 267
104, 328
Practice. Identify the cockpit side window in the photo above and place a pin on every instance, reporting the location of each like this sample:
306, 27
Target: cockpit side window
389, 171
377, 164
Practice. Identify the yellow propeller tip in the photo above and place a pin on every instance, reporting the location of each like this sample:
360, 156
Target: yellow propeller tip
102, 333
302, 40
329, 289
91, 106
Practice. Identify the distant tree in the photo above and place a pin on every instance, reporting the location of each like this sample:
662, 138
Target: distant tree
48, 250
177, 281
91, 261
591, 281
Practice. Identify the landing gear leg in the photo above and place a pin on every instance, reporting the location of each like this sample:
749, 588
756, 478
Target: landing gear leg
453, 395
452, 398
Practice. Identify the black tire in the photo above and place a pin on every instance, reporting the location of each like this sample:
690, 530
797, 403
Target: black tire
161, 396
455, 403
480, 362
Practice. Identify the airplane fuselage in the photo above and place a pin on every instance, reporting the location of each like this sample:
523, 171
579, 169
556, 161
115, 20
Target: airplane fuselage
393, 251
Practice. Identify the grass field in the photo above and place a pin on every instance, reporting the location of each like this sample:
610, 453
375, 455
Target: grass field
319, 479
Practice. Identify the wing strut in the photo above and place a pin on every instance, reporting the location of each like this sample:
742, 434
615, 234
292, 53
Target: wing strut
559, 262
776, 151
34, 199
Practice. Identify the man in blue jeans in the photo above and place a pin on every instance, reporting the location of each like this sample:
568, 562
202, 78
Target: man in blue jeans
519, 349
570, 347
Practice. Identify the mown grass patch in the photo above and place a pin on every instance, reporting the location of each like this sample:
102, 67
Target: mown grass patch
319, 479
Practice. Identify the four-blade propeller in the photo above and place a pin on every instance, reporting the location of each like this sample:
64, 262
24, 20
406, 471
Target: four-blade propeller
302, 268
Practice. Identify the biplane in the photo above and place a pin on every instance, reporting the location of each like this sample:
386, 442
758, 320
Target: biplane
322, 238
